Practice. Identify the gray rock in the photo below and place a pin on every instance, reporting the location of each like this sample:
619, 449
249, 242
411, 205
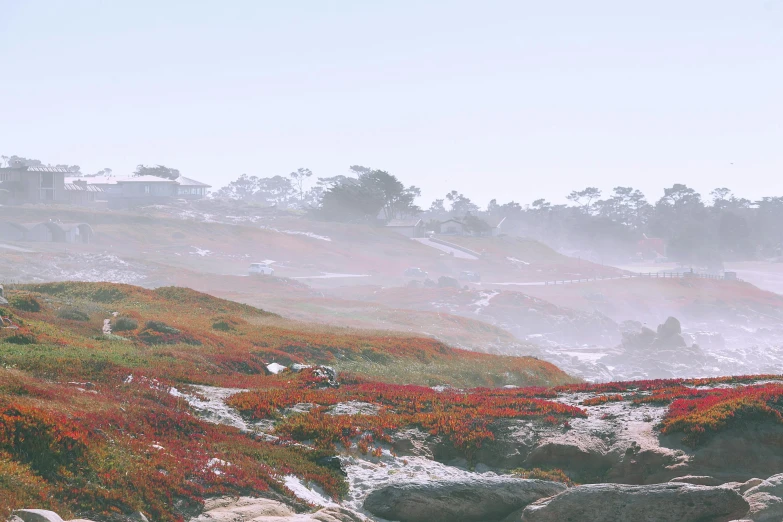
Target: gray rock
244, 509
653, 503
752, 483
764, 507
773, 485
584, 452
766, 500
37, 515
478, 500
337, 514
670, 328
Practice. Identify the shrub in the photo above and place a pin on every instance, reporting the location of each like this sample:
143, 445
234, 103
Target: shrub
554, 475
21, 338
43, 441
25, 303
19, 486
73, 314
720, 409
223, 326
160, 327
602, 399
124, 324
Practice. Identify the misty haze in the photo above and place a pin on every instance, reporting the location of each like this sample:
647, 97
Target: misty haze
418, 263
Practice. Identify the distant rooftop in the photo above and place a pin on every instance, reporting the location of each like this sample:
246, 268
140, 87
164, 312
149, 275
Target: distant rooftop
113, 180
72, 187
189, 182
43, 168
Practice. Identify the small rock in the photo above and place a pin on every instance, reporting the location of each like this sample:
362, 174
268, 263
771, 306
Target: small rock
138, 516
37, 515
337, 514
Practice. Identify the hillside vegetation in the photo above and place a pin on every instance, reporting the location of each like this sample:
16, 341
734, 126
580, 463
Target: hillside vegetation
90, 423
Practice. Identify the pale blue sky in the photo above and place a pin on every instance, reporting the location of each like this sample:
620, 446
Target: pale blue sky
504, 99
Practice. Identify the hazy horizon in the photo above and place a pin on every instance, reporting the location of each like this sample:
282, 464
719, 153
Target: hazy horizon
513, 101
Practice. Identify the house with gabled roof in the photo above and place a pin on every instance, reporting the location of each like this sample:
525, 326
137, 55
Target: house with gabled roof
135, 191
451, 227
411, 227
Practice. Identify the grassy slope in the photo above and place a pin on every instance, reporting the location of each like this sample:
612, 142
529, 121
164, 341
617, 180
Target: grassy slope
77, 434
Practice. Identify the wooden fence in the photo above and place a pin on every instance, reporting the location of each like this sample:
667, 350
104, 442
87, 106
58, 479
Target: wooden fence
649, 275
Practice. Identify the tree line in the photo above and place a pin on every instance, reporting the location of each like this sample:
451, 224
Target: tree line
696, 229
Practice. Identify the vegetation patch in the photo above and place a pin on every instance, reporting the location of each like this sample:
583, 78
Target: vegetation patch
554, 475
24, 303
124, 324
73, 314
720, 409
602, 399
462, 416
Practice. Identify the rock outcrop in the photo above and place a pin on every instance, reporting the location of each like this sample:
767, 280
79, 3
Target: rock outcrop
250, 509
225, 509
654, 503
766, 500
480, 500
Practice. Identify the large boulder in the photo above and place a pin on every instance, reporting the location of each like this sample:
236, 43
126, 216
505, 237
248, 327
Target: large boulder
653, 503
766, 500
475, 500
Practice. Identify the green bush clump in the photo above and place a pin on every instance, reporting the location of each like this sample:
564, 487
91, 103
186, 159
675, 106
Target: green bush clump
124, 324
73, 314
161, 327
21, 338
25, 303
223, 326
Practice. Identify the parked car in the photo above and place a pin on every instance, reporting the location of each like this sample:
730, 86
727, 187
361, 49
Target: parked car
261, 269
467, 275
415, 272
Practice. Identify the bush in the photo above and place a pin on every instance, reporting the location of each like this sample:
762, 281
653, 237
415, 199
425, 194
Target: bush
73, 315
124, 324
25, 303
554, 475
161, 327
223, 326
20, 338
